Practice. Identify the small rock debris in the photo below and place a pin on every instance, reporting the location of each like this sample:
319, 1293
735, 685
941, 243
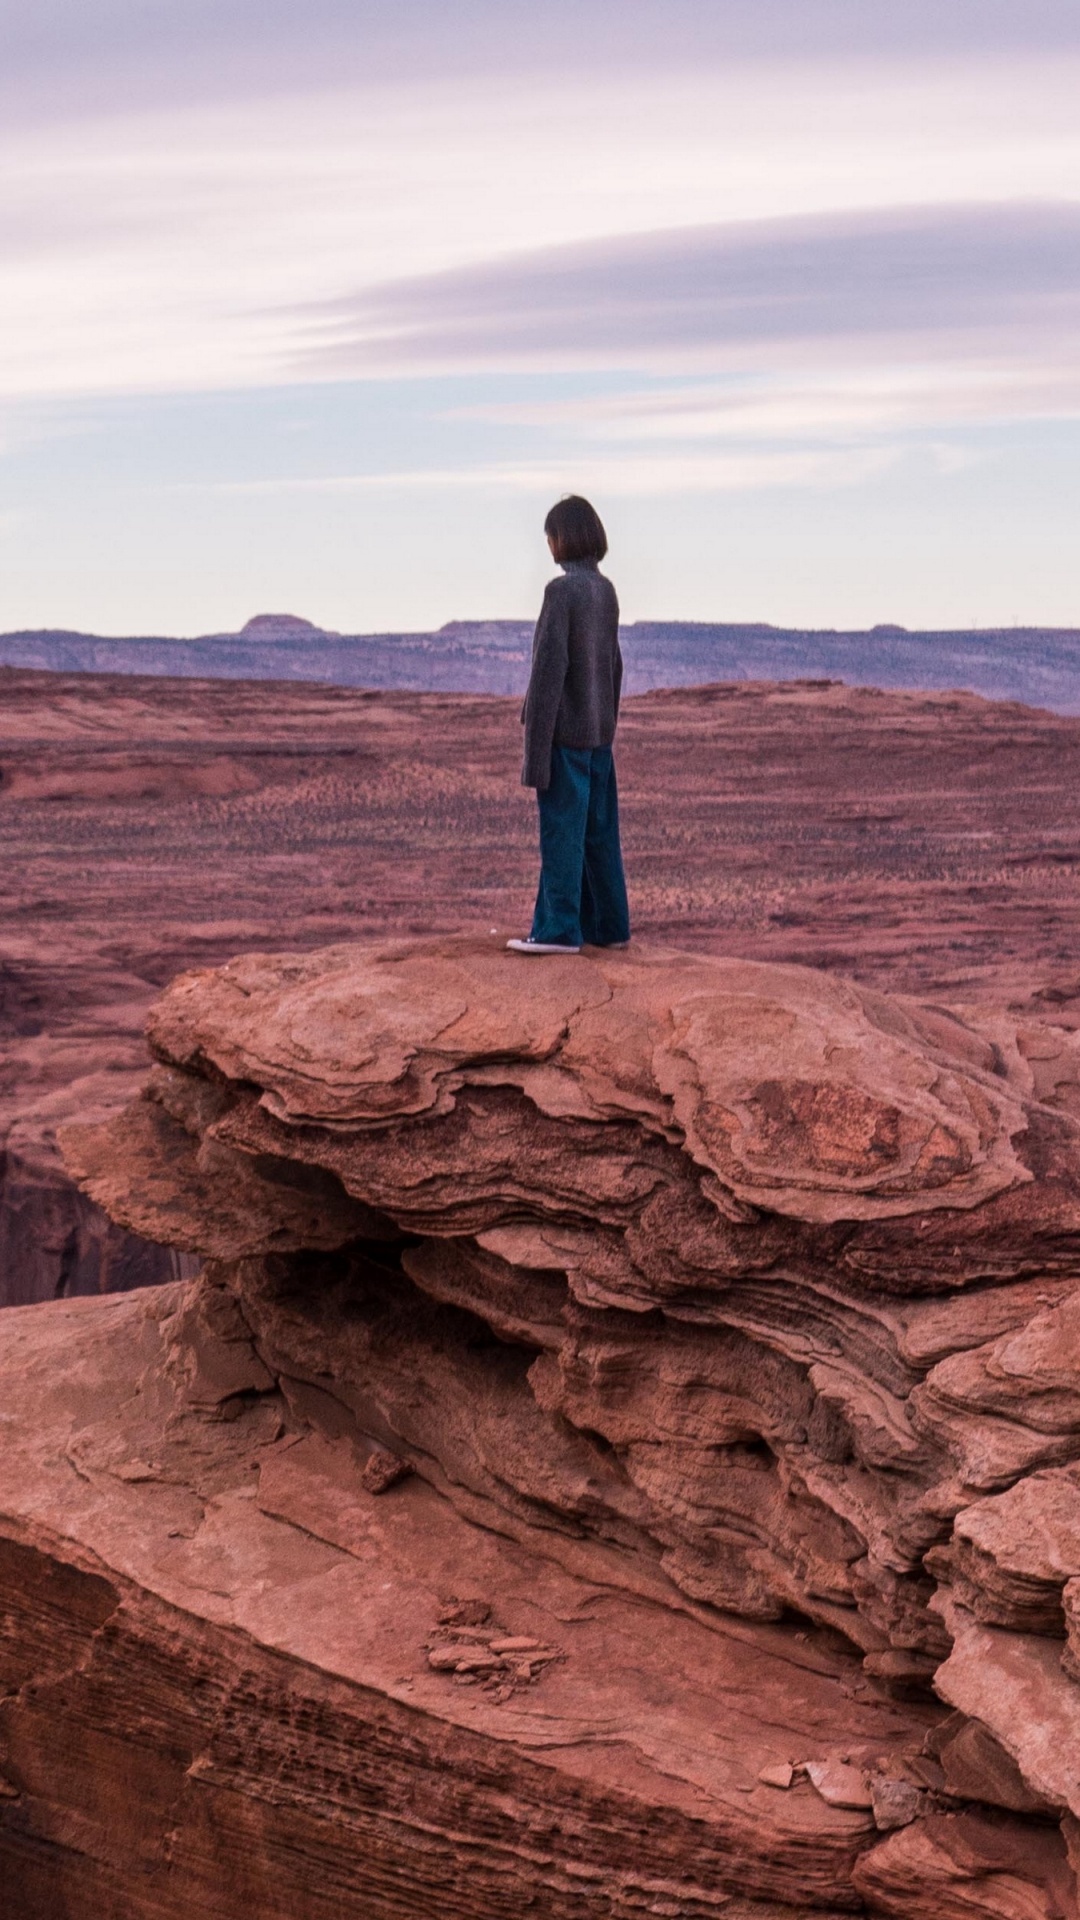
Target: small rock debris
778, 1776
465, 1613
897, 1803
883, 1786
840, 1784
382, 1470
472, 1649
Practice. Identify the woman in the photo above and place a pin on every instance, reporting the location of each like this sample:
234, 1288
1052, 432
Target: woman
569, 716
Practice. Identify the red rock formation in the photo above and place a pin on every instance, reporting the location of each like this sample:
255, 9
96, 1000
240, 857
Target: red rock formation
619, 1392
925, 843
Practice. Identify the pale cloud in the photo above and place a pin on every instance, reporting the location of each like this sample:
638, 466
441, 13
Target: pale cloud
833, 404
728, 293
216, 246
832, 328
64, 58
817, 245
636, 475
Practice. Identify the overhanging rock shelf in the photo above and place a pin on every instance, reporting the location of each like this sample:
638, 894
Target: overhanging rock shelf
639, 1396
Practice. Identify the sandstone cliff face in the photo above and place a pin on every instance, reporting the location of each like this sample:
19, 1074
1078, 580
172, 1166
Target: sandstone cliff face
54, 1241
66, 1053
622, 1455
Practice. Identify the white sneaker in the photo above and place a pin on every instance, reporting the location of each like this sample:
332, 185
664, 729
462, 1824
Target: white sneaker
538, 946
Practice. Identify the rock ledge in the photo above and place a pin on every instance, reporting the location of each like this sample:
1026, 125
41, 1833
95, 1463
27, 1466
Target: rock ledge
637, 1395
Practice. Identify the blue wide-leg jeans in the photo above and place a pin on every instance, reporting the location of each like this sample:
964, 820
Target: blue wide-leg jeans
582, 896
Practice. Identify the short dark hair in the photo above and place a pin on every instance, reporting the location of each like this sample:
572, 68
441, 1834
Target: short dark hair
576, 530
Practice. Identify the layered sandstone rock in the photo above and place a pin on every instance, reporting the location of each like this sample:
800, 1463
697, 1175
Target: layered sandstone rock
694, 1340
925, 842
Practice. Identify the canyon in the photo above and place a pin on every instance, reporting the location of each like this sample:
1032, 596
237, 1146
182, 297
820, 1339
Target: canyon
597, 1438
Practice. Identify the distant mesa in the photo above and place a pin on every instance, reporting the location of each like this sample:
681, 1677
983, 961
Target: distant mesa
1039, 666
279, 626
486, 629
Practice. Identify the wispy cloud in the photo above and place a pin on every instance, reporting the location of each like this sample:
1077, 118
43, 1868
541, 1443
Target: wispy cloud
926, 279
833, 404
652, 250
212, 243
66, 56
631, 475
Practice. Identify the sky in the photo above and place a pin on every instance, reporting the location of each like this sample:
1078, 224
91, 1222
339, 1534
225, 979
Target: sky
316, 308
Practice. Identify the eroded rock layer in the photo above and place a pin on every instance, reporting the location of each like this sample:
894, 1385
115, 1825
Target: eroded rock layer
921, 842
226, 1687
728, 1309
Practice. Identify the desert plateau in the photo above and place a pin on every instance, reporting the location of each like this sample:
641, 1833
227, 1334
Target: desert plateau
1040, 666
590, 1439
925, 843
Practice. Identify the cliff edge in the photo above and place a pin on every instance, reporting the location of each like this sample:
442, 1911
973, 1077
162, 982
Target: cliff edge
621, 1456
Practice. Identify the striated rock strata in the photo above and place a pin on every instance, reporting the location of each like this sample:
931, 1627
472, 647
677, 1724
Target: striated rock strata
622, 1455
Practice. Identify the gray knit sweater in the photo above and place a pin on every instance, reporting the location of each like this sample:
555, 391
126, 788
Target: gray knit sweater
576, 679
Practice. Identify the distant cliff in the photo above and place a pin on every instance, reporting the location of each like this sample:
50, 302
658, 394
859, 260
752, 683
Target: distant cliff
1037, 665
